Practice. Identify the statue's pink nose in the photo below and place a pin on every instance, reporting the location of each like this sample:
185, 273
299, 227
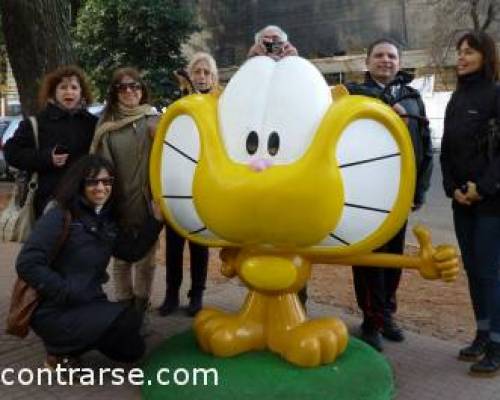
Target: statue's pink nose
260, 164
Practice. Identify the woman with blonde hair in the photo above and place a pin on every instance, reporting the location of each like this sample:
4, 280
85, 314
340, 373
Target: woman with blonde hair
203, 78
124, 136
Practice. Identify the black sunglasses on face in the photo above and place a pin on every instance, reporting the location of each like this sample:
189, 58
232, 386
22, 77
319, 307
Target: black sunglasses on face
95, 181
133, 86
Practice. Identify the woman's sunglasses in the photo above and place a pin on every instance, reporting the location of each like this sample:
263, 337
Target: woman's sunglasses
133, 86
95, 181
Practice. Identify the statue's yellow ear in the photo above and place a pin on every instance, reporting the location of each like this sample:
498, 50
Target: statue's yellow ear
339, 91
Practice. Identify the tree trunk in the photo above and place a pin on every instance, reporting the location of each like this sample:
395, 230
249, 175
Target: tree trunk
37, 37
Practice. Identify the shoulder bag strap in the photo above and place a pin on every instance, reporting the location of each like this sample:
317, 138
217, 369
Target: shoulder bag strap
33, 184
62, 238
34, 124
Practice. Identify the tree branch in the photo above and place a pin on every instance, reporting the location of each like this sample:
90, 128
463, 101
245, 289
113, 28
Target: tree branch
490, 17
474, 14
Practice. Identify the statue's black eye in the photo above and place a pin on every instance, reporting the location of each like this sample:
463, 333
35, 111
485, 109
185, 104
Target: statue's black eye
252, 142
273, 143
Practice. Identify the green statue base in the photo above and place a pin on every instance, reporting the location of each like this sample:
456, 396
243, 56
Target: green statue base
359, 374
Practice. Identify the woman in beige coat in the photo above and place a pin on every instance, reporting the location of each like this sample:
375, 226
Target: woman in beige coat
124, 136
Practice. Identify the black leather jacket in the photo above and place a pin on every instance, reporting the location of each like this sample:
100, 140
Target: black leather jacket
418, 128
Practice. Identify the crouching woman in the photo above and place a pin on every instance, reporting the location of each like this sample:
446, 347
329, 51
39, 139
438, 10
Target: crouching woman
65, 260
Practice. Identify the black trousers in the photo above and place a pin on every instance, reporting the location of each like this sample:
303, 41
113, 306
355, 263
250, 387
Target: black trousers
122, 341
376, 287
198, 263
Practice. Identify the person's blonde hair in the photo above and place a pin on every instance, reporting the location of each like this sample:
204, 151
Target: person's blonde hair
212, 65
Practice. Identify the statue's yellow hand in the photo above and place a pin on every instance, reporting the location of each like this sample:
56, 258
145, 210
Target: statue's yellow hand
439, 262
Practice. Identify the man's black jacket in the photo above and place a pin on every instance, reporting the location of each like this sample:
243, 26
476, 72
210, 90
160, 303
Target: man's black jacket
418, 128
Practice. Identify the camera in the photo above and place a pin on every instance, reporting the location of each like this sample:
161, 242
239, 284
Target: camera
61, 149
273, 47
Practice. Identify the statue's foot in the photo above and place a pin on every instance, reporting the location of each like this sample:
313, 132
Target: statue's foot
226, 335
315, 342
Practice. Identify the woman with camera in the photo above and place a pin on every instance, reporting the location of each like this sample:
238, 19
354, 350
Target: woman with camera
272, 41
65, 131
124, 137
471, 177
65, 260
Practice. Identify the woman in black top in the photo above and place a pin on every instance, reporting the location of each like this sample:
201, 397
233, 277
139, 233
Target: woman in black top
74, 314
471, 177
203, 78
65, 131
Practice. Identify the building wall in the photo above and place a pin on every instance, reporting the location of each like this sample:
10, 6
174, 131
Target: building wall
318, 28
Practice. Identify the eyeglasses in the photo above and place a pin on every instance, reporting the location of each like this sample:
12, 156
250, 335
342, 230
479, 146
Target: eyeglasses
95, 181
133, 86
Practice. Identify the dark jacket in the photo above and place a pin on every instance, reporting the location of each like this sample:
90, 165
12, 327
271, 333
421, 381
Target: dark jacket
463, 147
55, 127
419, 130
74, 311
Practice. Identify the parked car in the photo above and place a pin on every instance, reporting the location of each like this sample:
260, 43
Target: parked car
96, 109
13, 108
8, 126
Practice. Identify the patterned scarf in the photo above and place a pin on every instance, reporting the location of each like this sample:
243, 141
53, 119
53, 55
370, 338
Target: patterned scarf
123, 117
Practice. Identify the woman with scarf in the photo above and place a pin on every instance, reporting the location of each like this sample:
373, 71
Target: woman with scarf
470, 162
124, 136
65, 132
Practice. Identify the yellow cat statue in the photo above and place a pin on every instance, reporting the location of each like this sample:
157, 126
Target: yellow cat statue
281, 172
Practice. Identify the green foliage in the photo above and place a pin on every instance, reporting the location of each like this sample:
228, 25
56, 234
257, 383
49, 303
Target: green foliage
3, 55
146, 34
2, 39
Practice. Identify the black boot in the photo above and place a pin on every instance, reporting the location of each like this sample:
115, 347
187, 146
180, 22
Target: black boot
391, 331
141, 305
170, 304
128, 302
195, 303
490, 363
476, 349
371, 336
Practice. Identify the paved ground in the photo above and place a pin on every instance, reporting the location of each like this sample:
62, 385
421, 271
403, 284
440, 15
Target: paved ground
436, 214
425, 368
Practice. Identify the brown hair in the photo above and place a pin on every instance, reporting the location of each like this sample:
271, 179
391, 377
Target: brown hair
112, 96
384, 40
71, 186
52, 79
483, 43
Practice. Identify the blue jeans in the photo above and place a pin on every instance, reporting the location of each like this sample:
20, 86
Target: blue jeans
479, 240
